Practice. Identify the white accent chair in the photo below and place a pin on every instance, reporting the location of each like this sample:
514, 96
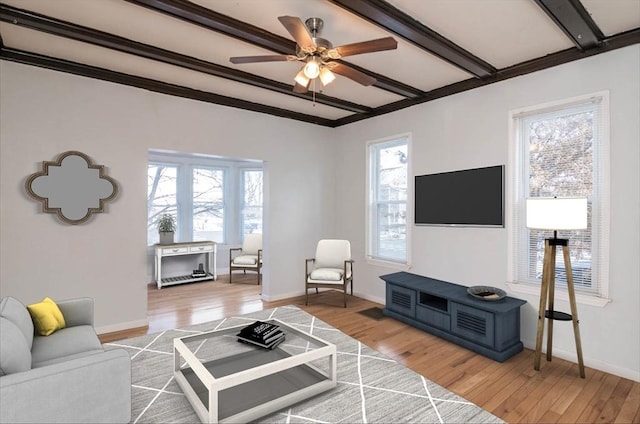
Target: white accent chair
248, 257
332, 267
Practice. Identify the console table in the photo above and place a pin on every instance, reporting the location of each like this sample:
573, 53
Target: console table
490, 328
180, 249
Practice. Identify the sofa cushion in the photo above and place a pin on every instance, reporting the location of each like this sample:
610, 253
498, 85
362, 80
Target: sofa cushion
245, 260
13, 310
15, 355
47, 317
61, 345
326, 274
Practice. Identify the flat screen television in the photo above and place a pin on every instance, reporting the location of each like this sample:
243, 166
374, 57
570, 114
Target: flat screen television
470, 197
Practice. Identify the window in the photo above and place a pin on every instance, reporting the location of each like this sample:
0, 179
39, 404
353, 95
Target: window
211, 198
208, 204
162, 188
562, 150
387, 200
252, 201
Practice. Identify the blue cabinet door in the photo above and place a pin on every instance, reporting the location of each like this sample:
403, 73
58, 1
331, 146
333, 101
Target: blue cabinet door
401, 300
473, 324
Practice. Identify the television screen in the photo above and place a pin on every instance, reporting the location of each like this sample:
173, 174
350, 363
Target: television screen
470, 197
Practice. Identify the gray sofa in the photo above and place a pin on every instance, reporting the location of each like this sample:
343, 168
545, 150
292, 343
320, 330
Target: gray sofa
64, 377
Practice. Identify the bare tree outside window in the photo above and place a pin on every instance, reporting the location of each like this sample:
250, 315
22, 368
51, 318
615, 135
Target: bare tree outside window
208, 204
161, 197
561, 163
252, 202
211, 198
388, 174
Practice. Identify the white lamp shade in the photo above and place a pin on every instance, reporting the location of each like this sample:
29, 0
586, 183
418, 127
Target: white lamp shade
557, 213
326, 76
301, 78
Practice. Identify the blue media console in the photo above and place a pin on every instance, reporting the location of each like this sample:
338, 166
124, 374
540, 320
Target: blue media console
490, 328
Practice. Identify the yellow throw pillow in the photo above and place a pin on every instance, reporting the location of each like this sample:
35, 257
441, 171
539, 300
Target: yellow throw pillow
47, 317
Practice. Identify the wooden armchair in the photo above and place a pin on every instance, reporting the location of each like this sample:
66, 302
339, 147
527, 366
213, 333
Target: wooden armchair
248, 257
332, 267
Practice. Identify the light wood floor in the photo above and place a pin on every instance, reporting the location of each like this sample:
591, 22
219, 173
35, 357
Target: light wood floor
511, 390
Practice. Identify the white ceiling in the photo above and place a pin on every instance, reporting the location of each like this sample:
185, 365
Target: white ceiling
502, 33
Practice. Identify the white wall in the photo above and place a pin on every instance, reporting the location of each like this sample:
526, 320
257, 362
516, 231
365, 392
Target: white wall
471, 130
44, 113
315, 188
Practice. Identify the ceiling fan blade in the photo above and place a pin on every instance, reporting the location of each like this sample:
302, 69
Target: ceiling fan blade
380, 44
267, 58
349, 72
299, 32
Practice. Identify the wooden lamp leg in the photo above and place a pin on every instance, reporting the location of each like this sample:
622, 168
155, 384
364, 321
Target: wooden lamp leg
544, 288
574, 308
550, 307
547, 290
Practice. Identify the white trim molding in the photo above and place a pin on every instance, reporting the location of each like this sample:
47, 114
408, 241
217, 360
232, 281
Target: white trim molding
560, 294
122, 326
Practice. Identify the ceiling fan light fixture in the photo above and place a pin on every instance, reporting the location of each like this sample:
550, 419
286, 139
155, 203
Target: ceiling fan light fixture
301, 78
312, 68
326, 76
318, 54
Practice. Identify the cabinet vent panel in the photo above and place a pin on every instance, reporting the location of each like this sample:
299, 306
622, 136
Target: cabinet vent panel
472, 323
401, 299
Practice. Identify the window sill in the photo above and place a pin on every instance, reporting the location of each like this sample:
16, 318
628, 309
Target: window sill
560, 294
388, 264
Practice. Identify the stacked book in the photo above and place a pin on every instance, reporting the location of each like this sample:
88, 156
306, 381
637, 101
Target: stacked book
199, 273
262, 334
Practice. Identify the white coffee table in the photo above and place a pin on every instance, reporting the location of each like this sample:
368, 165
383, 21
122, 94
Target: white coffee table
228, 381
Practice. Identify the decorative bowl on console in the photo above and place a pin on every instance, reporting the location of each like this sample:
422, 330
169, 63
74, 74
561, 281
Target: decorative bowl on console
486, 293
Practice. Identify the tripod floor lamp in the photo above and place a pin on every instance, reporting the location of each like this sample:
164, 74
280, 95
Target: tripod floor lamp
552, 213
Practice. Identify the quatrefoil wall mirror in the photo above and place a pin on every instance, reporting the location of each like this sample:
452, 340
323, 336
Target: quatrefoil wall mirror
72, 187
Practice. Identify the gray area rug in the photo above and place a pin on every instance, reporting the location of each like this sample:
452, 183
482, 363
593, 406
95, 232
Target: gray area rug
372, 388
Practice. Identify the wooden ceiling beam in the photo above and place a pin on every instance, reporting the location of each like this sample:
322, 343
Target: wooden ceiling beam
61, 28
614, 42
207, 18
391, 19
56, 27
20, 56
212, 20
574, 20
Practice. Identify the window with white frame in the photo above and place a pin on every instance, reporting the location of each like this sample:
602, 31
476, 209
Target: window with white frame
162, 196
387, 200
207, 204
251, 201
562, 150
206, 195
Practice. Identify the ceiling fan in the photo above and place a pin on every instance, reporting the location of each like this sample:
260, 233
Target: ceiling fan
318, 54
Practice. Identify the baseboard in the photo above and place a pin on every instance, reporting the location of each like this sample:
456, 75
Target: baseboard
267, 298
122, 326
591, 363
370, 298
